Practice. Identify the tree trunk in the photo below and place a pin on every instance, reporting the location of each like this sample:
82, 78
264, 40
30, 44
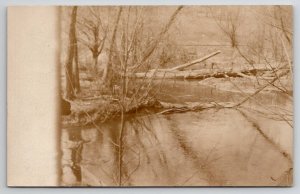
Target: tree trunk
69, 65
95, 59
76, 70
106, 78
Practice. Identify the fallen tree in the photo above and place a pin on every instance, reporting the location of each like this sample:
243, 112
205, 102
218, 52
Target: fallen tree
181, 67
196, 74
103, 110
178, 72
110, 109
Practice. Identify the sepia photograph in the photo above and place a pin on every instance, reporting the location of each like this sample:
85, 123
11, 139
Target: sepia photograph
151, 96
176, 95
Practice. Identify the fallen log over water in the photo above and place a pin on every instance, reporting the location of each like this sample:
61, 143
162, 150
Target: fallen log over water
105, 110
195, 74
178, 72
108, 110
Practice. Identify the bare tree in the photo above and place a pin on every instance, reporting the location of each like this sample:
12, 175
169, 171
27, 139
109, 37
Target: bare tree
128, 41
111, 48
72, 81
229, 20
278, 18
270, 46
93, 32
76, 69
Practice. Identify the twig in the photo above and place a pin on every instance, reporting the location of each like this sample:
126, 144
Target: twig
260, 89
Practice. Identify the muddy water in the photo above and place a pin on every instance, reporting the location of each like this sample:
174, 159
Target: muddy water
215, 147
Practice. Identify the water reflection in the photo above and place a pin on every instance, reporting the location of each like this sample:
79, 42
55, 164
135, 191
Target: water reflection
216, 147
207, 148
89, 156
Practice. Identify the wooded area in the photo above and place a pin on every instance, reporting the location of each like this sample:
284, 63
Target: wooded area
121, 64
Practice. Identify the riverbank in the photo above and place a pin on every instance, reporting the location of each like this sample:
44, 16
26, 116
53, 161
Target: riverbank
100, 108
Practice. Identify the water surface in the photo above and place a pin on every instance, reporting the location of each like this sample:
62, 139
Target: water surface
213, 147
